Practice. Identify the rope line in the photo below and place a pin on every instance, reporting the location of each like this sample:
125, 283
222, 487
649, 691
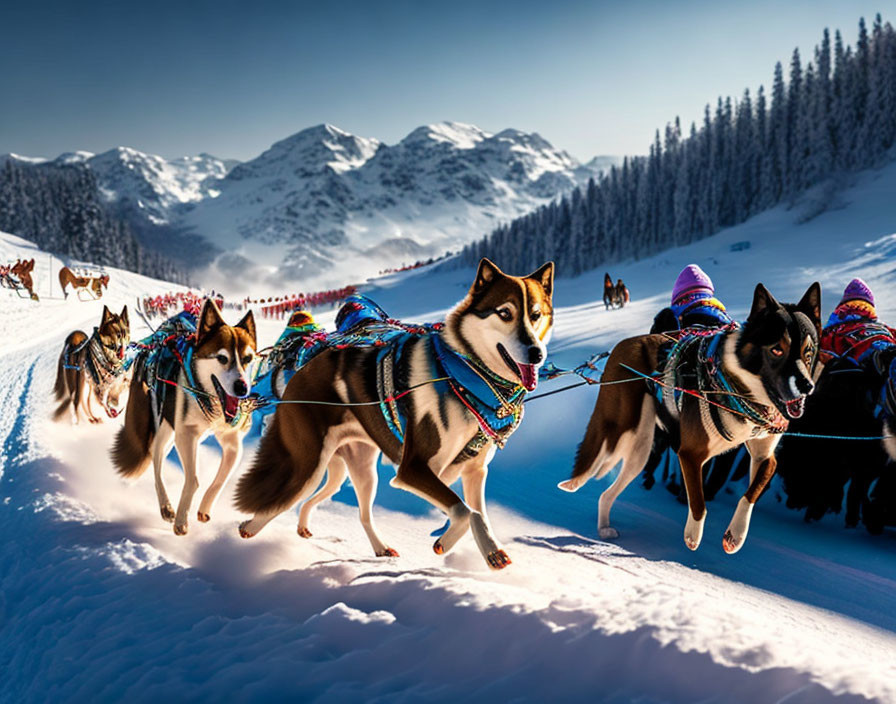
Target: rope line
698, 395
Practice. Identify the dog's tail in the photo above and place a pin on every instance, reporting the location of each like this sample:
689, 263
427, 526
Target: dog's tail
591, 457
274, 482
61, 390
621, 410
131, 451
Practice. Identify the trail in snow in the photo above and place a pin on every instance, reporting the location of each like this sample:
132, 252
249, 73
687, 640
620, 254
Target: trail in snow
100, 601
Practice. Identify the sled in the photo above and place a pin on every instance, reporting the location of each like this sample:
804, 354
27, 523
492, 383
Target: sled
90, 295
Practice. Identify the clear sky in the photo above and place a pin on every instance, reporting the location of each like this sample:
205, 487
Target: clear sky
230, 78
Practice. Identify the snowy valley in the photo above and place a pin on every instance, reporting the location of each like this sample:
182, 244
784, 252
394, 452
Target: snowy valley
99, 600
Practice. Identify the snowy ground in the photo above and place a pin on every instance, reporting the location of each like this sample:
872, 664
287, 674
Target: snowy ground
99, 601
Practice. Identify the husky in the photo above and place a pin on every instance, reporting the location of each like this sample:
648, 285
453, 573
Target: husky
92, 367
206, 390
738, 385
461, 387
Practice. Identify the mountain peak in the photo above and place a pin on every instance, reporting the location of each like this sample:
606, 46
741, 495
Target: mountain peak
76, 157
458, 134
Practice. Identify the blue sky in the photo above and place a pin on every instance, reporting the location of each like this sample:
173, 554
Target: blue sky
230, 78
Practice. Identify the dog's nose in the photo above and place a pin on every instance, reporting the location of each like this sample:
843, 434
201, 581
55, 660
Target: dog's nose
535, 355
240, 388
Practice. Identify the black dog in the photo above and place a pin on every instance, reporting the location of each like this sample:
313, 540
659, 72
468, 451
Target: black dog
815, 471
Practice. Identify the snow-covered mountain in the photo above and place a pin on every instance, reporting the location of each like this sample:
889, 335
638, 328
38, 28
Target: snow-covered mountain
324, 195
146, 186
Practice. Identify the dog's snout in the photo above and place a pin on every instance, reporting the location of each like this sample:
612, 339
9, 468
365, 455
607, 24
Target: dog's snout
805, 385
535, 354
240, 388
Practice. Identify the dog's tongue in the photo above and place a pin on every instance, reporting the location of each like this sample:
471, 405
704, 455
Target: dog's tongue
528, 376
795, 408
231, 405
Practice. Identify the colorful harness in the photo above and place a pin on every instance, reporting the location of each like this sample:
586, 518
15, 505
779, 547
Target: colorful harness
101, 371
856, 338
168, 351
694, 361
495, 403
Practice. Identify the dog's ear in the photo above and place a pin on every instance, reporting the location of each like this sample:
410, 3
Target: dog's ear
763, 300
248, 324
107, 316
486, 275
545, 276
124, 316
209, 319
810, 304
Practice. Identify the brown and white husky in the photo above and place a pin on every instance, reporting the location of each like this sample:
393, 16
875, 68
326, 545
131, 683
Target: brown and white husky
90, 369
769, 366
501, 328
205, 396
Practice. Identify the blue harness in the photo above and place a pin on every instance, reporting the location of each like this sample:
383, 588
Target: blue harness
496, 403
168, 350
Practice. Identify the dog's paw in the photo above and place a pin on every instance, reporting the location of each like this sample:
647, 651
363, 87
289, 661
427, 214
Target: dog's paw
570, 485
498, 560
388, 552
693, 532
167, 512
608, 533
304, 532
730, 544
244, 532
181, 530
203, 517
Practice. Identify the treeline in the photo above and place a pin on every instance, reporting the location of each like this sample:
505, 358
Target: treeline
835, 114
61, 209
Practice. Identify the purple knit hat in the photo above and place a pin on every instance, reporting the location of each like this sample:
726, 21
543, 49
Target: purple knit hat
691, 278
857, 290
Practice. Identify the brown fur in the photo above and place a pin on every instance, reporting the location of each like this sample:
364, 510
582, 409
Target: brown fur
73, 385
22, 269
303, 438
620, 404
222, 357
130, 451
92, 284
626, 413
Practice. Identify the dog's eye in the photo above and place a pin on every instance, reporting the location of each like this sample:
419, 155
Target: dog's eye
247, 360
778, 351
534, 315
505, 314
222, 359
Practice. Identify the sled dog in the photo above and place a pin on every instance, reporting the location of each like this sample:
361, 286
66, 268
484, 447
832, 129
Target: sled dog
718, 390
22, 269
91, 368
92, 285
464, 383
205, 390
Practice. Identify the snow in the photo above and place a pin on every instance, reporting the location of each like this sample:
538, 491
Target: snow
324, 196
99, 600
